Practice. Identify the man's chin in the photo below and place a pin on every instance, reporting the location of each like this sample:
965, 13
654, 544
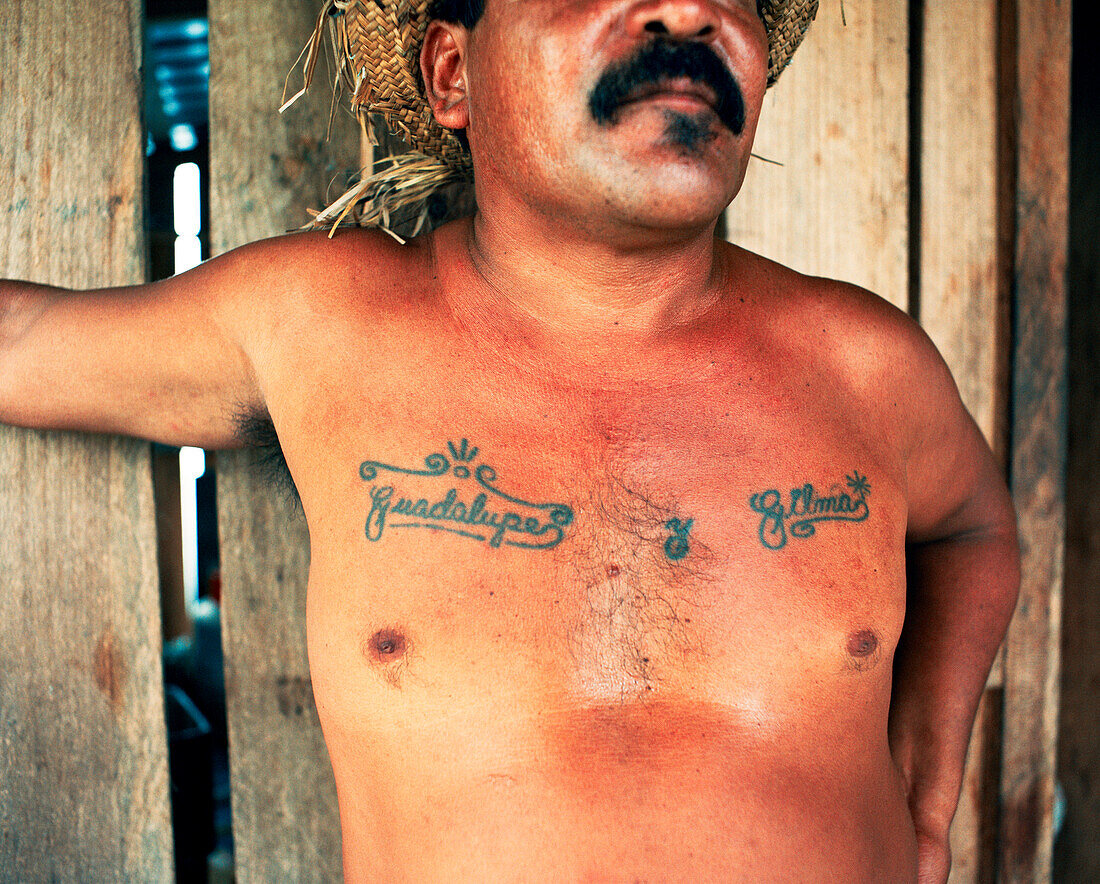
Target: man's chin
691, 129
658, 187
677, 184
673, 211
690, 134
678, 152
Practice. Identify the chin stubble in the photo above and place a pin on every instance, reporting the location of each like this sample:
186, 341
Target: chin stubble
690, 133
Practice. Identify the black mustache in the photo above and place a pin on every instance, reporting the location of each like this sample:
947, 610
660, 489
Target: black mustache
661, 60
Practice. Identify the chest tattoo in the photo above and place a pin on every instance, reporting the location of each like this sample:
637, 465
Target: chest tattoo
799, 514
676, 547
473, 506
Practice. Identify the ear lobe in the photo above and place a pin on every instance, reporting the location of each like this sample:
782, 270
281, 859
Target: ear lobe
443, 67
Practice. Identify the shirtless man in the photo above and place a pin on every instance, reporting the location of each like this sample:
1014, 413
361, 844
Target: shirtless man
611, 522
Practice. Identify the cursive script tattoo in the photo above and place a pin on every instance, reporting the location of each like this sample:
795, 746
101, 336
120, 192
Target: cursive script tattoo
806, 508
676, 547
545, 527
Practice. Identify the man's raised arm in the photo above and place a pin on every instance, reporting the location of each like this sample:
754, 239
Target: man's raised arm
963, 578
171, 361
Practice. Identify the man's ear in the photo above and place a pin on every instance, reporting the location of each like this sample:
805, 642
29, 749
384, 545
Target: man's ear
443, 67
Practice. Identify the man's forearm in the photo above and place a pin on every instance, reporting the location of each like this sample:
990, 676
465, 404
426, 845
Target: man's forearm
21, 305
962, 592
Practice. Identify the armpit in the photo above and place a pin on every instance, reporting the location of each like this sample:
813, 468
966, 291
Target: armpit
257, 431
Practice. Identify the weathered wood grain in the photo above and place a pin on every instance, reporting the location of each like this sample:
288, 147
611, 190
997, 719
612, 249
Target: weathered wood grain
83, 746
838, 205
960, 302
1077, 850
1041, 128
286, 824
266, 170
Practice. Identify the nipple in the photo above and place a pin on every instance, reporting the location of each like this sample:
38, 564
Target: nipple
386, 646
862, 645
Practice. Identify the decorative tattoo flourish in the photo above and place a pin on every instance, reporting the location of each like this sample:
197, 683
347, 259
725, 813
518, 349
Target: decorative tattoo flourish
545, 528
806, 508
676, 547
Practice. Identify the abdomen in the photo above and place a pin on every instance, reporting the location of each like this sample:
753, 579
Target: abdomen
638, 792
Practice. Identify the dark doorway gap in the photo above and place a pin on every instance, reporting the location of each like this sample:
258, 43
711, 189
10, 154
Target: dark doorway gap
176, 81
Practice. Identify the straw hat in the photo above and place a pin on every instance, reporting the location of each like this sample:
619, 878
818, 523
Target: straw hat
376, 46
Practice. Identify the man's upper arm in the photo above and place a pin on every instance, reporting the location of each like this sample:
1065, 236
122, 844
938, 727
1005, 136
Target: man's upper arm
173, 361
955, 484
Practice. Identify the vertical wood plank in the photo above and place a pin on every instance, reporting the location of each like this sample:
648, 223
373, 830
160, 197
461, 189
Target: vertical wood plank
266, 170
83, 744
1041, 128
959, 298
1077, 850
960, 304
837, 120
286, 824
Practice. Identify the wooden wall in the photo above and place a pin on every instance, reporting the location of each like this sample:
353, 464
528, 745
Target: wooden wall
1039, 164
83, 743
924, 155
1077, 852
266, 171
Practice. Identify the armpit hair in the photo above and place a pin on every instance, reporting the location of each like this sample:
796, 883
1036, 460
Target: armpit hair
257, 431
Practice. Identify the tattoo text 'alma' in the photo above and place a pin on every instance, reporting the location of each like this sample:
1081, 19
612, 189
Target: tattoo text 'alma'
799, 514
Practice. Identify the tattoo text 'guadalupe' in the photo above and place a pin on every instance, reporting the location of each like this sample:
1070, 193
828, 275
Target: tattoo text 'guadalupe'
800, 513
515, 522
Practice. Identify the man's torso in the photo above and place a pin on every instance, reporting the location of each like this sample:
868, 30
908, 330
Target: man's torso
621, 625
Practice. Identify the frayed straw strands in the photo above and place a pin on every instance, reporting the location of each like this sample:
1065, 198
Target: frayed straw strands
376, 48
398, 182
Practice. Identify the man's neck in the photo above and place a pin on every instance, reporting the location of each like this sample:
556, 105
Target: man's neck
554, 284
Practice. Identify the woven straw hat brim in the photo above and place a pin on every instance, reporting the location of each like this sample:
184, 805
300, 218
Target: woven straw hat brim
376, 47
786, 22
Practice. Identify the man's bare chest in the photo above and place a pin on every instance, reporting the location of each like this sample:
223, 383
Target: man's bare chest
641, 542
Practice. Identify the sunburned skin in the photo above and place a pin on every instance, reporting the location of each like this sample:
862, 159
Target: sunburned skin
807, 508
568, 612
612, 577
616, 609
602, 603
632, 649
616, 598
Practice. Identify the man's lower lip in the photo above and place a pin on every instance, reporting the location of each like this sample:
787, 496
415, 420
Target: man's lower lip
671, 98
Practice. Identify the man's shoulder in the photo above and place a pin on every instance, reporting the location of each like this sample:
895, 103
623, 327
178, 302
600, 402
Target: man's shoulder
799, 296
837, 310
337, 257
859, 337
322, 274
